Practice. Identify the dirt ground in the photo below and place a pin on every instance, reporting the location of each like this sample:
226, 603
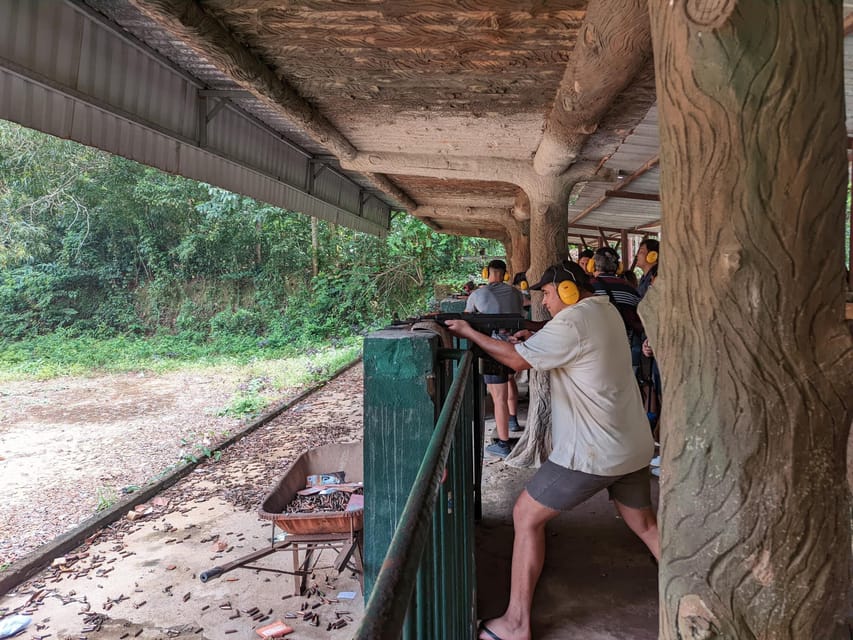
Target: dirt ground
69, 445
140, 578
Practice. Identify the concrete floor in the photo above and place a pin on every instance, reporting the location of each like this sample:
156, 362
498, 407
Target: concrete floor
599, 581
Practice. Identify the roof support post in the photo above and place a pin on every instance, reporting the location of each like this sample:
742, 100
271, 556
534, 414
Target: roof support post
549, 205
756, 359
626, 248
201, 102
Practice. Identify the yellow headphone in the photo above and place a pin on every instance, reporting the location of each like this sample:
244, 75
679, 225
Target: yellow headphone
486, 274
652, 257
568, 290
523, 285
590, 265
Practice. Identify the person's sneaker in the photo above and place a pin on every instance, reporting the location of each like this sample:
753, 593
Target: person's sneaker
513, 424
500, 449
655, 461
655, 471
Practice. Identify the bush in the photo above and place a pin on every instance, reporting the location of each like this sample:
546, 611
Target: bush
242, 322
192, 319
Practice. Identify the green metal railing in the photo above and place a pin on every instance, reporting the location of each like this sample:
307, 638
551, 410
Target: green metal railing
427, 585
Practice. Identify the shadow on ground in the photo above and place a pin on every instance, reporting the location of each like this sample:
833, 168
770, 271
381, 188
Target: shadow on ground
599, 581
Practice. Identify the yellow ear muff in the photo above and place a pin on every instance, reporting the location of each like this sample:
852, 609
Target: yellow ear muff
620, 269
590, 265
652, 257
568, 292
523, 285
485, 273
506, 277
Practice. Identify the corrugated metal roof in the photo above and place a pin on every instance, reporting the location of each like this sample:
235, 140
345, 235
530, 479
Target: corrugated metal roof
637, 149
90, 82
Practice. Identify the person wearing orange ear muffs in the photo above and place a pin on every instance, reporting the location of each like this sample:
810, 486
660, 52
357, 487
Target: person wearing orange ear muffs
584, 257
499, 297
599, 434
647, 261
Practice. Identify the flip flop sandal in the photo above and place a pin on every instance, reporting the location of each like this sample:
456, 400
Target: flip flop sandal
483, 628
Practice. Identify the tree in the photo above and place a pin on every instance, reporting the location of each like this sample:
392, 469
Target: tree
747, 323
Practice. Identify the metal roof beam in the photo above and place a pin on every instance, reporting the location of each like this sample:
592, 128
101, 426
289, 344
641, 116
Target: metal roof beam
633, 195
650, 164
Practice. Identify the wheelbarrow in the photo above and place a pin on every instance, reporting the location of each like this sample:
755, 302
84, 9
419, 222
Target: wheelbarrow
309, 532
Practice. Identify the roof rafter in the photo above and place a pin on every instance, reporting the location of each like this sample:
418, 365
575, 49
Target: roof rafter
650, 164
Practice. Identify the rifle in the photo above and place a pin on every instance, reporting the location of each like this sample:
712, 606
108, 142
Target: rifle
483, 322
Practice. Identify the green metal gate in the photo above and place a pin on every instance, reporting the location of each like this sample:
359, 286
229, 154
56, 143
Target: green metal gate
423, 456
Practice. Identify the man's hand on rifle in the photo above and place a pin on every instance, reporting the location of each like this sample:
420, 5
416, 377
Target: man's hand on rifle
498, 350
520, 336
460, 328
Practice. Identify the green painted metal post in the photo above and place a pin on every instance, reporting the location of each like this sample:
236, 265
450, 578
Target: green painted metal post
399, 417
452, 305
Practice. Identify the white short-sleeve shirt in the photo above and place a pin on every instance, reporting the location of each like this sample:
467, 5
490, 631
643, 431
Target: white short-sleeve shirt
599, 424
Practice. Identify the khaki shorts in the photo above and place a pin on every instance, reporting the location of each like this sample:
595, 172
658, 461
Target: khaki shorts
562, 489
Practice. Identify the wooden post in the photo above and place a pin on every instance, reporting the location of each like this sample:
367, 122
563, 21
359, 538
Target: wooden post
850, 226
747, 326
399, 418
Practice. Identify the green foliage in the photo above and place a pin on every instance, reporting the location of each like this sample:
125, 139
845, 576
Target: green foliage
106, 497
214, 455
96, 246
244, 405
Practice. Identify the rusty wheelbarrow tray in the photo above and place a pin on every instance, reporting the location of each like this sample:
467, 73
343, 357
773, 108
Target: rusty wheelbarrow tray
309, 531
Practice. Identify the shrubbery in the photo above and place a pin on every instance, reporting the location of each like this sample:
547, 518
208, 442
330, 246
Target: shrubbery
118, 251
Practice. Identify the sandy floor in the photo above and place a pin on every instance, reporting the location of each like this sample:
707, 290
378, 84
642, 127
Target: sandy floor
140, 579
70, 444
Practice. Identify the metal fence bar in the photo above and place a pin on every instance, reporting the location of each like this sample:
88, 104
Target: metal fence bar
393, 591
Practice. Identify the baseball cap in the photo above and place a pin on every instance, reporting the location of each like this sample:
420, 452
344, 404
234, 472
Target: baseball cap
558, 273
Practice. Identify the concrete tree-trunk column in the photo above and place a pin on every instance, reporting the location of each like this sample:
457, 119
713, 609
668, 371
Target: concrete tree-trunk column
519, 246
746, 320
549, 225
510, 260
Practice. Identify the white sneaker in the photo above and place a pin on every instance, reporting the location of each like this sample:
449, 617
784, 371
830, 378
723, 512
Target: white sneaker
655, 471
655, 461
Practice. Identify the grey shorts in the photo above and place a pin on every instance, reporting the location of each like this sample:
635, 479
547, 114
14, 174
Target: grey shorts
490, 379
562, 489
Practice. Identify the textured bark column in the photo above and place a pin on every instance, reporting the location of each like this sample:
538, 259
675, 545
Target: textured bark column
549, 225
520, 249
746, 319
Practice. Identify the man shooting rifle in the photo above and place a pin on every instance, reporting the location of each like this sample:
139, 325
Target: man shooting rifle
601, 437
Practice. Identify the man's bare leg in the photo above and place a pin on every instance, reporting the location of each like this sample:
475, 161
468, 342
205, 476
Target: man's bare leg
528, 555
644, 523
499, 396
512, 396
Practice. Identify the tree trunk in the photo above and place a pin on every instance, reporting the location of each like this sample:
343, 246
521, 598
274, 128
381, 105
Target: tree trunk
548, 231
520, 243
746, 319
315, 247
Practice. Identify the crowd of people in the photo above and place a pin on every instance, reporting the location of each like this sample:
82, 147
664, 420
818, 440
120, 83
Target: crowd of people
603, 377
